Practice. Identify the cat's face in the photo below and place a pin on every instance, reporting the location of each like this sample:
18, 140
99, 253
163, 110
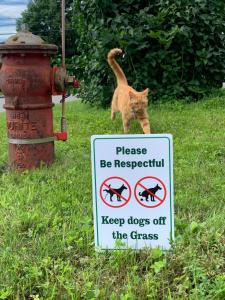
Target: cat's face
139, 101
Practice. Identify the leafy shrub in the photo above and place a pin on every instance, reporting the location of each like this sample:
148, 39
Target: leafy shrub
44, 19
176, 48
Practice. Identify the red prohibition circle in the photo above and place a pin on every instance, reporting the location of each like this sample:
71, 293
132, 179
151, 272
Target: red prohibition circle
154, 178
104, 184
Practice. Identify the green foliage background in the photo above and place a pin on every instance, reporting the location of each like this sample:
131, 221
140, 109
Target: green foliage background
176, 48
44, 18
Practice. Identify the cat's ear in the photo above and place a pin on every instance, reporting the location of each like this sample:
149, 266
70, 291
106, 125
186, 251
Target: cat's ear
145, 92
132, 95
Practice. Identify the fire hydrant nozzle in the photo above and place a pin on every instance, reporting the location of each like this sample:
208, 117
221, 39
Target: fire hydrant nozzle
61, 80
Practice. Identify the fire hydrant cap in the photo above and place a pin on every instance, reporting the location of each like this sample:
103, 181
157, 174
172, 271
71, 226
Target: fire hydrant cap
24, 37
26, 42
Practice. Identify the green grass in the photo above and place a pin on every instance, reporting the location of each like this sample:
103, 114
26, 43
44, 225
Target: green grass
46, 225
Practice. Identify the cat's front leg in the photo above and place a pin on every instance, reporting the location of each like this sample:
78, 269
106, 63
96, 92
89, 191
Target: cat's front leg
114, 107
113, 114
126, 124
145, 123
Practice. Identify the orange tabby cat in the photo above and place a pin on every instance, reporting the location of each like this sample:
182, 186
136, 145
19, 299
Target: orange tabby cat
131, 104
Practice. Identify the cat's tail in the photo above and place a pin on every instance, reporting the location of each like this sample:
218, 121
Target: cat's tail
120, 76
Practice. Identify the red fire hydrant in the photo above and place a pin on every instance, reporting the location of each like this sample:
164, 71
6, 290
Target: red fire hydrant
28, 83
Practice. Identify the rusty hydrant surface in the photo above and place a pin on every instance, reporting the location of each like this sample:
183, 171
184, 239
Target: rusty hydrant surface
26, 79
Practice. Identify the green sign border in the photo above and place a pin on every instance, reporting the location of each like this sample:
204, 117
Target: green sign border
170, 177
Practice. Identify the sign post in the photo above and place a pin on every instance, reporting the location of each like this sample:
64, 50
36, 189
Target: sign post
132, 182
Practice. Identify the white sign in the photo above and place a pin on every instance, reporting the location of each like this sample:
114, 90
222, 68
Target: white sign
132, 180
